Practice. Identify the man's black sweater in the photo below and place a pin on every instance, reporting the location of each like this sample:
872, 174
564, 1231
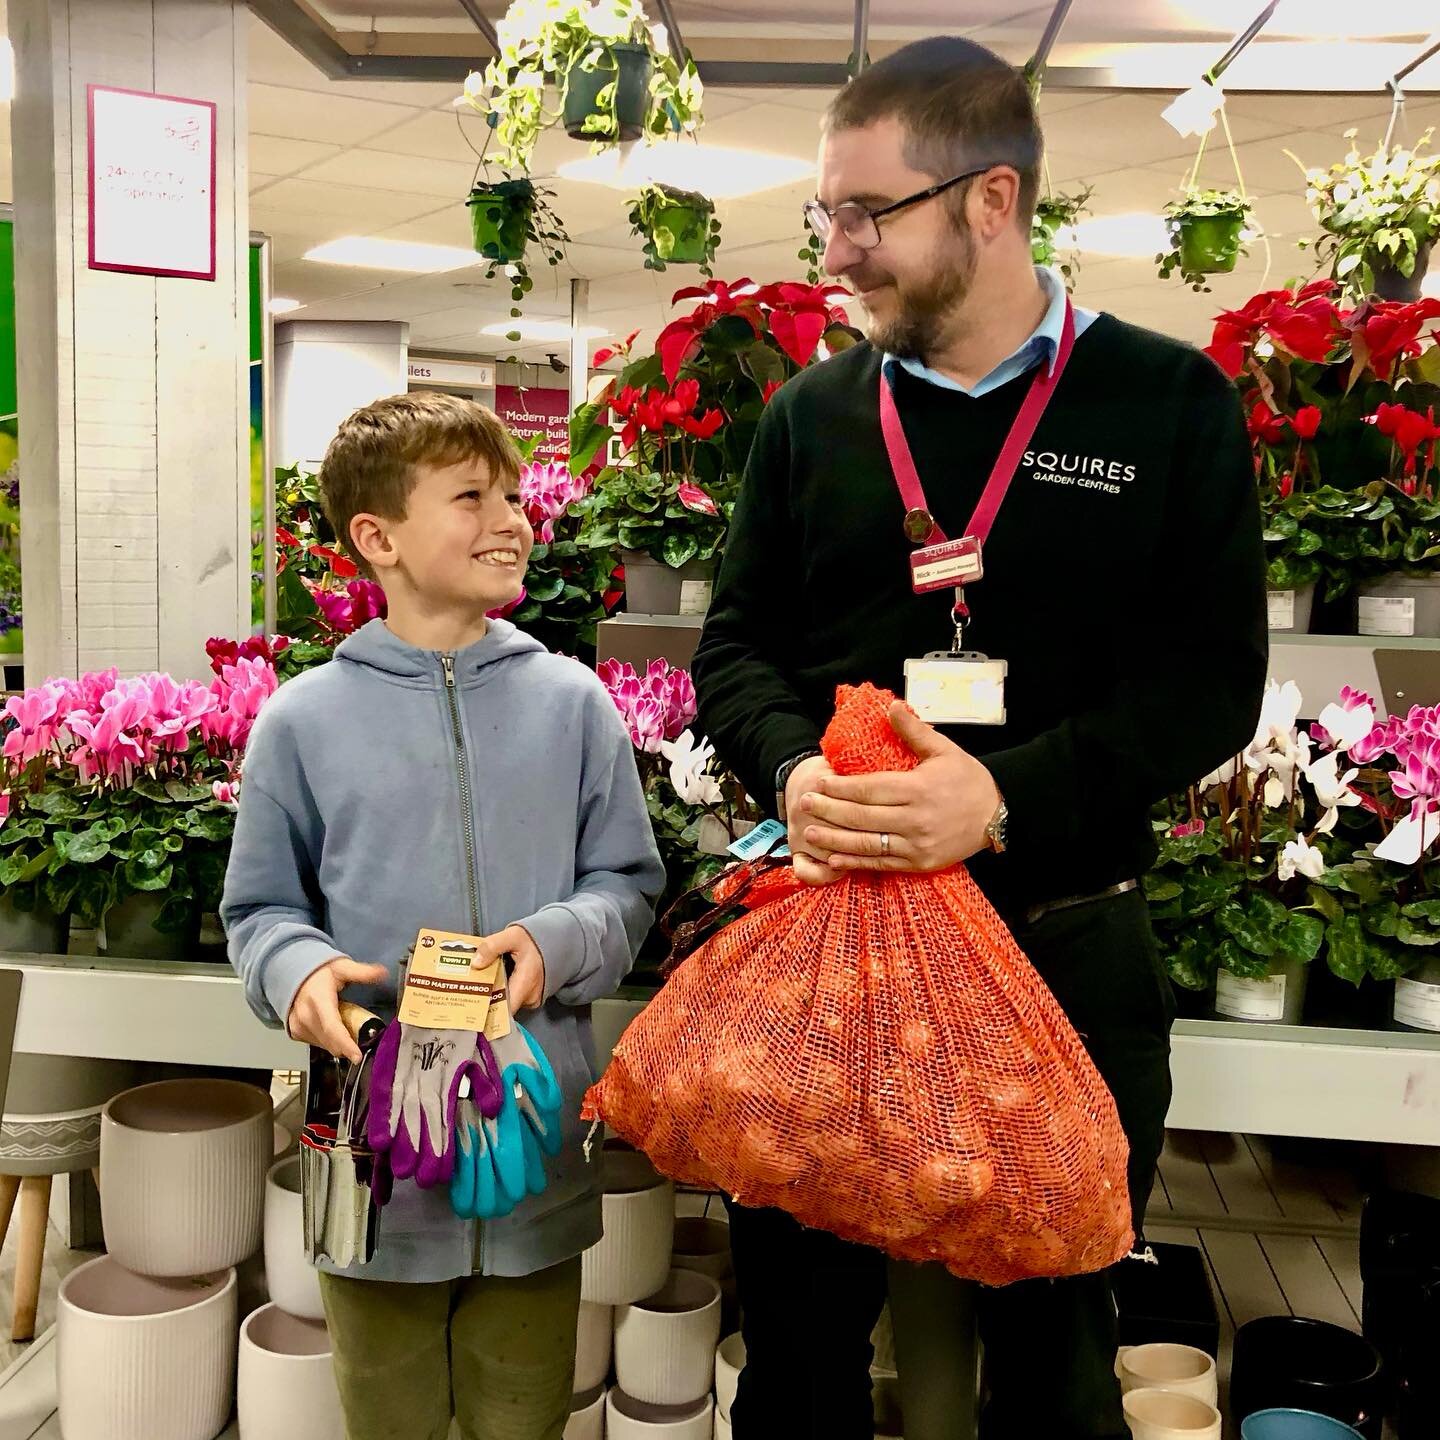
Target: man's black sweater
1124, 584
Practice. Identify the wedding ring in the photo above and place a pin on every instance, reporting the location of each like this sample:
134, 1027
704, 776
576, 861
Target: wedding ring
884, 844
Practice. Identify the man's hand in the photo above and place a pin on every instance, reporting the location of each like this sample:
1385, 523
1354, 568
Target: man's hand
935, 815
809, 859
315, 1012
526, 986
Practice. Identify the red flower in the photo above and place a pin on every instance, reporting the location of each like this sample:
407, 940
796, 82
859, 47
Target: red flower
1304, 323
1306, 422
345, 568
285, 539
610, 352
1386, 332
692, 497
706, 426
768, 389
1265, 425
1286, 485
1408, 429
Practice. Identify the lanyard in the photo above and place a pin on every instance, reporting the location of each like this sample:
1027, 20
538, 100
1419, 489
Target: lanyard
920, 527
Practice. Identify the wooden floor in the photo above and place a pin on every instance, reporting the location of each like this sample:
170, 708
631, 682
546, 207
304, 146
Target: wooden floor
1277, 1222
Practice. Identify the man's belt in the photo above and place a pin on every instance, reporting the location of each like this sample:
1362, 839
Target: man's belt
1067, 902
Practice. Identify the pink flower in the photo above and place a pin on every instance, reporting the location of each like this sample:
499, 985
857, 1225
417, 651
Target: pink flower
346, 611
4, 806
36, 718
646, 723
240, 694
226, 792
692, 497
504, 612
657, 706
1186, 828
107, 751
547, 491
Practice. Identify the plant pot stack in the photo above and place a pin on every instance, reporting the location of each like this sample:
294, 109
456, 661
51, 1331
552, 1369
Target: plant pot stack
149, 1334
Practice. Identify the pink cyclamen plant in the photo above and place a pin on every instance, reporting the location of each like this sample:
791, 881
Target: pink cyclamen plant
656, 707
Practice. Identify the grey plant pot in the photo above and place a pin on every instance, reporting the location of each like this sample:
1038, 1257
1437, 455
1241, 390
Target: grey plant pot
1290, 610
1416, 1005
1399, 605
1277, 1000
130, 932
654, 588
32, 932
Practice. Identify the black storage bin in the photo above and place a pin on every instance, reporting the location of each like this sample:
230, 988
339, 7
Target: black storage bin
1168, 1302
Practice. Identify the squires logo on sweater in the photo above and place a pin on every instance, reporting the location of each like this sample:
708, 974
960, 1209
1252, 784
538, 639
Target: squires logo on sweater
1084, 472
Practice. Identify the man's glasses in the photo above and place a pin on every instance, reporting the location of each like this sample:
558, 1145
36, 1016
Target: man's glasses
861, 227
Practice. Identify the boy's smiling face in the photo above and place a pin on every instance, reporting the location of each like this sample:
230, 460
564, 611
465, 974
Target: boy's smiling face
461, 548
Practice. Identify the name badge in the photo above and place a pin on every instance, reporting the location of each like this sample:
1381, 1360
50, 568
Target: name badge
967, 689
944, 566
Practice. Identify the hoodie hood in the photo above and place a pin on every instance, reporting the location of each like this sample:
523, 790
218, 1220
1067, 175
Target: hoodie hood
377, 647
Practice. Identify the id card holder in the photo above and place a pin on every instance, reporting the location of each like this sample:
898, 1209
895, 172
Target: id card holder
947, 565
963, 689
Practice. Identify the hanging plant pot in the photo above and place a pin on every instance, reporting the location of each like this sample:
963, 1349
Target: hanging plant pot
500, 219
1210, 244
1390, 284
1042, 239
631, 78
681, 229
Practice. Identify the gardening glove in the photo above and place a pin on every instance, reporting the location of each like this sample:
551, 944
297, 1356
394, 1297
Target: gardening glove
528, 1126
474, 1191
413, 1095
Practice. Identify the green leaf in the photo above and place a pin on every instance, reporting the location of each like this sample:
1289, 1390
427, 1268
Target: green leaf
1205, 892
55, 803
678, 549
1159, 888
1301, 935
588, 432
1256, 924
1242, 962
142, 877
84, 849
1346, 948
1426, 910
1325, 903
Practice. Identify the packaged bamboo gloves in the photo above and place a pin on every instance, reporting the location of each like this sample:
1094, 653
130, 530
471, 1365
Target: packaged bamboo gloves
878, 1058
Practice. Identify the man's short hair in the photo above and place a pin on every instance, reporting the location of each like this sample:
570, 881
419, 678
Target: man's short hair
961, 105
369, 467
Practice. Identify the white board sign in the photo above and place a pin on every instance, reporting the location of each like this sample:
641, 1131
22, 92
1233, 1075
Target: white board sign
152, 183
479, 375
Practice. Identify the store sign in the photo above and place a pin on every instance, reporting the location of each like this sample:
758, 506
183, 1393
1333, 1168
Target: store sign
537, 412
152, 183
475, 374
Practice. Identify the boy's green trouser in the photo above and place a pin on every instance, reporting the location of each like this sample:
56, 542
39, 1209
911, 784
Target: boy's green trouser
497, 1353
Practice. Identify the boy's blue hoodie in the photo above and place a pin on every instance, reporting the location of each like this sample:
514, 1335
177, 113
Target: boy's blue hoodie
397, 788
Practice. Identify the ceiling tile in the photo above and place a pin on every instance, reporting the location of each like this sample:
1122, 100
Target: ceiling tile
398, 174
773, 129
438, 134
277, 156
371, 210
308, 115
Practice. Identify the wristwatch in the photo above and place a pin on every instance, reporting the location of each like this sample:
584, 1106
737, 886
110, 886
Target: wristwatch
783, 774
999, 824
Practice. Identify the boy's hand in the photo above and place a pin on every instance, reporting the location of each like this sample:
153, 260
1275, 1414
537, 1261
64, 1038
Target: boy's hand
526, 986
315, 1012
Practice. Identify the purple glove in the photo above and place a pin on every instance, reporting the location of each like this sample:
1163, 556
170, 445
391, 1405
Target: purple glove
413, 1094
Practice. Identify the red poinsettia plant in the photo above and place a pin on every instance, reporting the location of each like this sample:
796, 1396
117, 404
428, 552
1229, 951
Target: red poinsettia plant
687, 412
1341, 407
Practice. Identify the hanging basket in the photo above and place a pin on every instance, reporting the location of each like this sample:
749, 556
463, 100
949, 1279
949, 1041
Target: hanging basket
631, 76
500, 219
1042, 239
1210, 244
681, 230
1390, 284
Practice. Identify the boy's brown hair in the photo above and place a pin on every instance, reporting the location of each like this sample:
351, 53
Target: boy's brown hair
369, 467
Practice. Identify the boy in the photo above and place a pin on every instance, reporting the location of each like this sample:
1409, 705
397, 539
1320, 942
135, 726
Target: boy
445, 771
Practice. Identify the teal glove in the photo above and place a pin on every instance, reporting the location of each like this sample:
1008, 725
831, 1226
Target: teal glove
528, 1126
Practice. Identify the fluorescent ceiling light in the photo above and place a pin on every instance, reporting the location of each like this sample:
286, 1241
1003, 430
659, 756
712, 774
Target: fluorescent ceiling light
713, 170
283, 304
541, 329
374, 253
1193, 112
1137, 236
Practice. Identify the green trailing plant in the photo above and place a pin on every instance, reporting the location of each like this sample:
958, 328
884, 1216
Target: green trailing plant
1053, 213
1380, 214
511, 221
679, 227
1207, 235
550, 46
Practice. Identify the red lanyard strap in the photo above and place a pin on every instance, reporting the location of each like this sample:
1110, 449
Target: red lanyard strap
902, 462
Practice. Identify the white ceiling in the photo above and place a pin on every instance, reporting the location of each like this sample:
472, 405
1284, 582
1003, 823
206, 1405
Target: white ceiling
395, 159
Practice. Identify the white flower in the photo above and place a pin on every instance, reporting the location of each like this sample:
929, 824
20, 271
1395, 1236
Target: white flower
1411, 837
688, 761
474, 84
1299, 857
1347, 727
1223, 775
1279, 710
1332, 789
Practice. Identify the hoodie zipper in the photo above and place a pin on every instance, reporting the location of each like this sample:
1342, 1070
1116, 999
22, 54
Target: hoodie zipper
462, 770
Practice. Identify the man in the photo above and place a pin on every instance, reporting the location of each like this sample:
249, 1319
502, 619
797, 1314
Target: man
1123, 585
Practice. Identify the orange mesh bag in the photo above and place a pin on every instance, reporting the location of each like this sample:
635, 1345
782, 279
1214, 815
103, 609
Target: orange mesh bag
879, 1059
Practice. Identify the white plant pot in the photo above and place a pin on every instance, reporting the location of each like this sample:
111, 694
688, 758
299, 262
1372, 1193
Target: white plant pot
594, 1342
665, 1345
1164, 1415
286, 1382
632, 1258
722, 1427
587, 1416
183, 1165
627, 1418
702, 1245
729, 1362
293, 1282
144, 1359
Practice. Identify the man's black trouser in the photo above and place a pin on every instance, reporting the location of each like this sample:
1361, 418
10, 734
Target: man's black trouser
810, 1300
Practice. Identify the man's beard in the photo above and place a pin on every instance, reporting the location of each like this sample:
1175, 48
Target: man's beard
926, 305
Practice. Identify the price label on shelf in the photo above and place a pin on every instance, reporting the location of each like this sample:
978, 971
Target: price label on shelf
1387, 615
1250, 999
1282, 609
1417, 1004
